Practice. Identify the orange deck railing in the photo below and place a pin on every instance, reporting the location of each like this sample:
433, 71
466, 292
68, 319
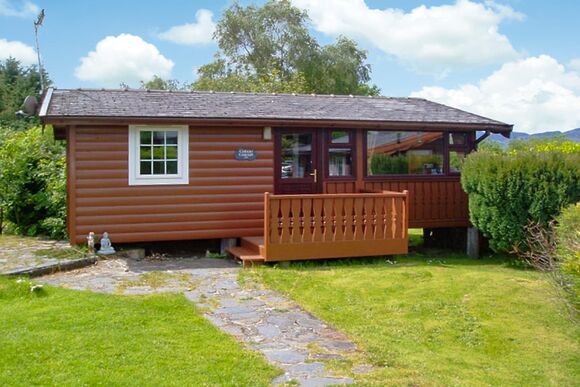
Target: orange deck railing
335, 225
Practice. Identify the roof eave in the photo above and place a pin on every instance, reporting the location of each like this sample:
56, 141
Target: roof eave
369, 124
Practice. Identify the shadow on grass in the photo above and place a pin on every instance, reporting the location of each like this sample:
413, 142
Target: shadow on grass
418, 256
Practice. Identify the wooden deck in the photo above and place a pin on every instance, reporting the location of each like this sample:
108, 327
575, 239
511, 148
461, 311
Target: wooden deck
300, 227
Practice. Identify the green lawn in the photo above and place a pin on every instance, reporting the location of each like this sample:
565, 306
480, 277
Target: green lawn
440, 320
65, 337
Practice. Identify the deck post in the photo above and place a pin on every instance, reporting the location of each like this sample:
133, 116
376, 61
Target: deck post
266, 224
473, 242
226, 243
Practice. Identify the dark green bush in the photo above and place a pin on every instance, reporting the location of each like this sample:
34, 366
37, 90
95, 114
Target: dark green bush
383, 164
568, 249
509, 189
33, 182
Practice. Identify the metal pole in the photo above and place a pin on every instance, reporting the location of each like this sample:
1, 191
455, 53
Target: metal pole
37, 24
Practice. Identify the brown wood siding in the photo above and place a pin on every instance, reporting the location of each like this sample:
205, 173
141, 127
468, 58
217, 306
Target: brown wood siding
339, 187
224, 197
433, 202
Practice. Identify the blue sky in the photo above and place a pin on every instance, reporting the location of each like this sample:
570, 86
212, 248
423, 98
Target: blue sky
513, 60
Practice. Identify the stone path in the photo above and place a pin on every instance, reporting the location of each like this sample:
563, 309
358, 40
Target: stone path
289, 337
20, 253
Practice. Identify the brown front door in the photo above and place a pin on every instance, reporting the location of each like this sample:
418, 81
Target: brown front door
297, 161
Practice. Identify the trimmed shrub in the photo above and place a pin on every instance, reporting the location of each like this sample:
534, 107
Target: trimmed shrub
507, 190
568, 250
33, 182
382, 164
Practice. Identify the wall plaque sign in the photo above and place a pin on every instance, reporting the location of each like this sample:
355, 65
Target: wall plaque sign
245, 154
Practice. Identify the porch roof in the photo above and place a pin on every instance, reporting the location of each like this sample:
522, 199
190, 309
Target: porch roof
60, 105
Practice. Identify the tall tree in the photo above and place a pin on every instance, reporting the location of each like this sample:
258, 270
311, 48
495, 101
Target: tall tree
158, 83
16, 83
269, 48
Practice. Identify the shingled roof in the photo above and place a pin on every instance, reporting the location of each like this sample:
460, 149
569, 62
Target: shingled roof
150, 104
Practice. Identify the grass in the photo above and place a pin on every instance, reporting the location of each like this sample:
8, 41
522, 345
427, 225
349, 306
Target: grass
440, 319
63, 337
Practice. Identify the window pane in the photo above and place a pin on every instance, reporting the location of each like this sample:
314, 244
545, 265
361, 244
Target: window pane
172, 167
145, 137
171, 152
339, 162
158, 152
401, 153
340, 137
159, 168
145, 168
145, 153
457, 138
296, 155
158, 137
456, 160
171, 137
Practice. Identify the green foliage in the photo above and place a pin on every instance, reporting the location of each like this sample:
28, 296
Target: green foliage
221, 79
269, 49
157, 83
383, 164
509, 189
568, 250
16, 83
33, 182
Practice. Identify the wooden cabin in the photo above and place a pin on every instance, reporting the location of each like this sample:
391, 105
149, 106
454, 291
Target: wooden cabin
288, 176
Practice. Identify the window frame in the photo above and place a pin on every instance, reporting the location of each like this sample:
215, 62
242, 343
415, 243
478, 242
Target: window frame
182, 175
351, 145
468, 147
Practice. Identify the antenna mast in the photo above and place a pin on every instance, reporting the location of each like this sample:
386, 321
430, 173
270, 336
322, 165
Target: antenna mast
37, 25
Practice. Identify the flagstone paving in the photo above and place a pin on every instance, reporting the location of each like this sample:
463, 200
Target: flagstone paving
288, 336
21, 253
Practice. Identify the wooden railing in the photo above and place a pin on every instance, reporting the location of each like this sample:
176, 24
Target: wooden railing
335, 225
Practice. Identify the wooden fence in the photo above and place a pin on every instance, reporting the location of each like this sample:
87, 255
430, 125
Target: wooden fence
335, 225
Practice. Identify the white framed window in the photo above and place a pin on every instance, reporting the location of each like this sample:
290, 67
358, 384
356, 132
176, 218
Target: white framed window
158, 154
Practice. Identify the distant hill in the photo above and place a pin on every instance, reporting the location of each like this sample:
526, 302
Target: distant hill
573, 135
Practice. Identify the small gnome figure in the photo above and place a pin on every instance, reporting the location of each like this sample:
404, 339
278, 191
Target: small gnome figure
91, 243
106, 247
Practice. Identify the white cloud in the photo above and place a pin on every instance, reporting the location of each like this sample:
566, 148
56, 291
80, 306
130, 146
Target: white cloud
430, 39
17, 50
200, 32
574, 64
124, 58
535, 94
27, 9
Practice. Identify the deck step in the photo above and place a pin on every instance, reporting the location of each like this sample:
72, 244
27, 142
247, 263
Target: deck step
249, 257
255, 243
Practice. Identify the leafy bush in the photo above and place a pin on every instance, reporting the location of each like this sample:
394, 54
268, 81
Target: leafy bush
382, 164
509, 189
568, 249
33, 182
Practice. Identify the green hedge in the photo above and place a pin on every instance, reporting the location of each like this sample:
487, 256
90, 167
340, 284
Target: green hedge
383, 164
568, 250
33, 182
508, 189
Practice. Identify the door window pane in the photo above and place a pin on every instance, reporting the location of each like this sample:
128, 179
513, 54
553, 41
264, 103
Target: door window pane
339, 162
340, 137
296, 155
404, 153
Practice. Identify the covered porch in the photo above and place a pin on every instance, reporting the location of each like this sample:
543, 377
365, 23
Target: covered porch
320, 226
